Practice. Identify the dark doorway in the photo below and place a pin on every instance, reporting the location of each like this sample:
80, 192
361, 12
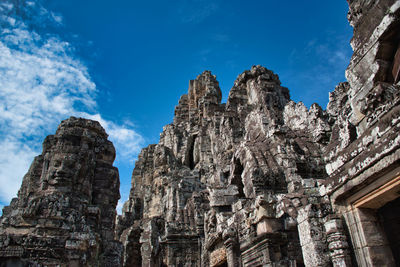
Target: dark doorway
396, 65
389, 54
389, 215
12, 262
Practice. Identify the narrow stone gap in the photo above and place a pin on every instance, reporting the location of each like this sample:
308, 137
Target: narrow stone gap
190, 152
237, 177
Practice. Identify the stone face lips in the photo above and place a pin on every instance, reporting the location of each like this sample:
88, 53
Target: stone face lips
65, 211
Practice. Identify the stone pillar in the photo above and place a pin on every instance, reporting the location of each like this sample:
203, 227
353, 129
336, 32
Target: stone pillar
149, 244
312, 238
232, 248
369, 240
145, 250
337, 243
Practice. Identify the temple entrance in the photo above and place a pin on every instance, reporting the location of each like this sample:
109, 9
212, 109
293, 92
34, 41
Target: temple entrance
374, 223
389, 55
389, 216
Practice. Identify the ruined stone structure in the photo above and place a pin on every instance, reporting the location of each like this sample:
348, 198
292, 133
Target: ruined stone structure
65, 211
264, 181
257, 181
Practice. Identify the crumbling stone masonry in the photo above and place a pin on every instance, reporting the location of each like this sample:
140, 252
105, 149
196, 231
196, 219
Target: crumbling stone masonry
257, 181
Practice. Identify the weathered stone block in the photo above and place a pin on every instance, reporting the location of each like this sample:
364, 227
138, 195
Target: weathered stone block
268, 226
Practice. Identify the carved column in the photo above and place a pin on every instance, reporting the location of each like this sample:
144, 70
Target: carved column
337, 243
232, 248
312, 238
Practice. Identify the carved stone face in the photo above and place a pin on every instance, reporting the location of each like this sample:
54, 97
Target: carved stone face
66, 170
63, 168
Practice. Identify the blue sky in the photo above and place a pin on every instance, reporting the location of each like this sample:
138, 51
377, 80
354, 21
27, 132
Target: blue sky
126, 63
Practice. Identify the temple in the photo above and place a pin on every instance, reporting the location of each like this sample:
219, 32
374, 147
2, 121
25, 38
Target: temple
257, 181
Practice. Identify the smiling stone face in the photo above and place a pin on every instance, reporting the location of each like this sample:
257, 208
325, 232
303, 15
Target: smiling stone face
68, 172
63, 168
69, 163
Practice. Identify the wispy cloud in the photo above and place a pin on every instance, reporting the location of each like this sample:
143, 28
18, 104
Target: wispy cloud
41, 83
231, 64
120, 205
195, 11
327, 59
221, 37
205, 53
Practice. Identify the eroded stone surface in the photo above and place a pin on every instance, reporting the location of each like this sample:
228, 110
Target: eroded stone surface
65, 211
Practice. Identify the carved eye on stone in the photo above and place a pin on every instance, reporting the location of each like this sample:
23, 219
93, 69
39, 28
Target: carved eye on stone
57, 163
70, 164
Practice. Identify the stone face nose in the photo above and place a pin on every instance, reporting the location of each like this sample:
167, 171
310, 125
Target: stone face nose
62, 171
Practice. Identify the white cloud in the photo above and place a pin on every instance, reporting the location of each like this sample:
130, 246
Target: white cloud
120, 205
221, 37
42, 83
15, 158
57, 18
127, 142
